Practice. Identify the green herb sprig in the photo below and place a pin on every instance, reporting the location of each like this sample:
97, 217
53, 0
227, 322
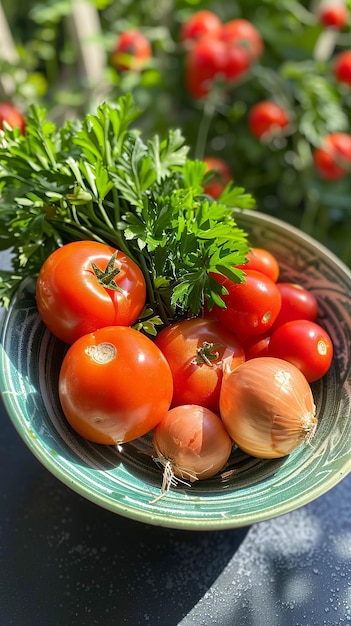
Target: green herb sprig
98, 179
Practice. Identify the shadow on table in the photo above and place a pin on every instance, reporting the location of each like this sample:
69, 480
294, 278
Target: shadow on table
65, 561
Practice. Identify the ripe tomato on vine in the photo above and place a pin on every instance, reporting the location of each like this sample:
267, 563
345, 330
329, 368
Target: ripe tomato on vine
131, 52
332, 158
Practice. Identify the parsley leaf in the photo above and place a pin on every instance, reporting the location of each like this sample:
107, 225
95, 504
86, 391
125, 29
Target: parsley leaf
99, 179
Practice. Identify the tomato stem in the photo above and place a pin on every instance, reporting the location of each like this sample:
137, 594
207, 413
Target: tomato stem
205, 353
107, 276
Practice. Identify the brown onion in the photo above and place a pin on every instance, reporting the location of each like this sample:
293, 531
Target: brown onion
191, 443
267, 406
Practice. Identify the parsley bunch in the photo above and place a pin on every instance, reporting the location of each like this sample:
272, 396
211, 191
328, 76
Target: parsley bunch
98, 179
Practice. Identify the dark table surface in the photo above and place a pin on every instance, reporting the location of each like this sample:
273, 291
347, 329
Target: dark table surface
64, 561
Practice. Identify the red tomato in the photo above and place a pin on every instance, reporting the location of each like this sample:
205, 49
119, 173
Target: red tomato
132, 51
205, 63
221, 176
212, 60
255, 345
196, 350
237, 62
306, 345
72, 300
267, 119
333, 158
244, 34
342, 67
115, 385
297, 303
334, 14
11, 115
252, 306
263, 261
199, 24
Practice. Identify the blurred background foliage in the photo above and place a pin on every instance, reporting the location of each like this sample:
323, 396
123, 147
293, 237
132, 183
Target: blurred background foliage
295, 70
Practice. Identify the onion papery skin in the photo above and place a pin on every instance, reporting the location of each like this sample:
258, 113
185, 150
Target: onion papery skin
267, 407
193, 439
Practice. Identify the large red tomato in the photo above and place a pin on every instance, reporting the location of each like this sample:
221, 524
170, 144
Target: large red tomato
82, 286
196, 350
251, 306
115, 385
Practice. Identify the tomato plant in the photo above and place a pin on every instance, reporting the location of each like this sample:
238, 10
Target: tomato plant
131, 51
200, 23
11, 115
297, 303
306, 345
196, 350
333, 158
267, 119
220, 176
251, 306
263, 261
85, 285
334, 13
115, 385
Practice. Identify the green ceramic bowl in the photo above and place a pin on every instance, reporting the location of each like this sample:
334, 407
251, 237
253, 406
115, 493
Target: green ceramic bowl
127, 481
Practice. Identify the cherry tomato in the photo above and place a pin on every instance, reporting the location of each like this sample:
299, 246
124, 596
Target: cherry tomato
306, 345
212, 61
196, 350
199, 24
237, 62
252, 306
334, 14
11, 115
333, 158
342, 67
204, 63
73, 298
132, 51
263, 261
114, 385
255, 345
297, 303
244, 34
221, 176
267, 119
